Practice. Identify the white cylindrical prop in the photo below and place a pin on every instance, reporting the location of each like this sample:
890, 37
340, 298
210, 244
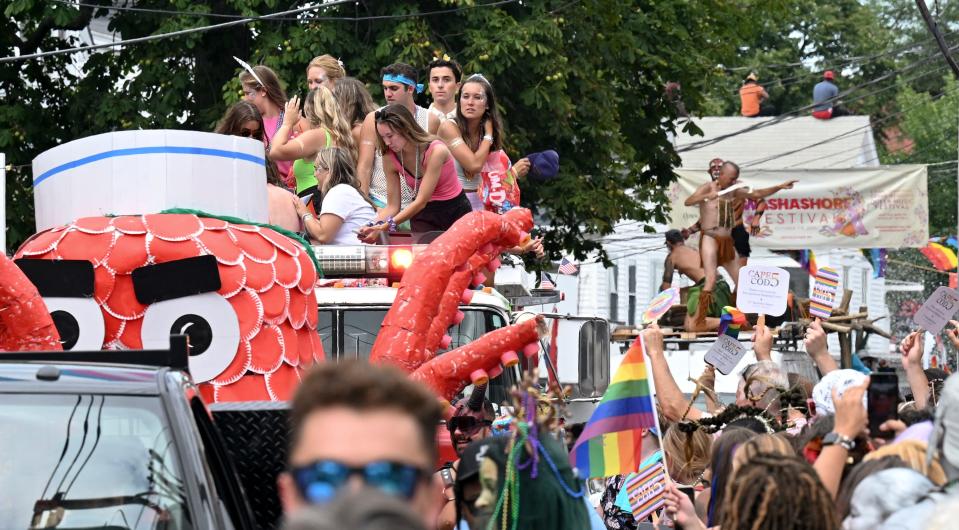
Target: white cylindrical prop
137, 172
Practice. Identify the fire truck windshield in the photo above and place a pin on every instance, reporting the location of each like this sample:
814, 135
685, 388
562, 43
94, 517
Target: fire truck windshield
349, 332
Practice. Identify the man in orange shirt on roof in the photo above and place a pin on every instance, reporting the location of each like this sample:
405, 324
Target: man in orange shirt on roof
752, 95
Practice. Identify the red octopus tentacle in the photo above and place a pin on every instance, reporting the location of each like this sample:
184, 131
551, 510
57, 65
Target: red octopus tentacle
25, 323
402, 338
449, 373
448, 312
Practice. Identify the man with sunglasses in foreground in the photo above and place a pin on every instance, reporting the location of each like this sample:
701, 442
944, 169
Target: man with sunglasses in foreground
356, 424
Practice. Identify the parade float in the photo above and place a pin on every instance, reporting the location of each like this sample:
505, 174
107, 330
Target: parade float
144, 234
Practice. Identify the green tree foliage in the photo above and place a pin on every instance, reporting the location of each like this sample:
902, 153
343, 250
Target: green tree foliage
930, 122
796, 42
583, 77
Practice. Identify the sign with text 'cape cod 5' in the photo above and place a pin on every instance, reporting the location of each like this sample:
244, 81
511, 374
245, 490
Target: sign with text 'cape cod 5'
881, 207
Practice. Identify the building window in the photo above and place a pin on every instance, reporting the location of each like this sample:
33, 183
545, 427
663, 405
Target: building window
614, 294
631, 316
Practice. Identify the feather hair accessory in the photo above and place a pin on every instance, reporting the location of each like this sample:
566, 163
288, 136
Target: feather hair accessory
249, 69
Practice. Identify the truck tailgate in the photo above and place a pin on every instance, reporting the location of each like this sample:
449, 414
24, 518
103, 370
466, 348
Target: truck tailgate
256, 435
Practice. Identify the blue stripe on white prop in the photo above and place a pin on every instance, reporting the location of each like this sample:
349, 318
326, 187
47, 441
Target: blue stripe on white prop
163, 149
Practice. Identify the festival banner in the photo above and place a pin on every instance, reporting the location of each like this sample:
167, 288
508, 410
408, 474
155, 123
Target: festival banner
881, 207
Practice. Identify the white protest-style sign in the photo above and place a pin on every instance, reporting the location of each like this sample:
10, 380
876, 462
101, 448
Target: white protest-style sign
762, 290
725, 354
137, 172
937, 309
875, 207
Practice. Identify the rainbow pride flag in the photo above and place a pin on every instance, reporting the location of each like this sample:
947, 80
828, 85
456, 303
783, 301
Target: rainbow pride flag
611, 440
942, 258
731, 321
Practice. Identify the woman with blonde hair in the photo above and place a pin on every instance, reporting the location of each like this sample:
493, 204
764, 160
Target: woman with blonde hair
345, 207
686, 450
425, 164
325, 127
913, 454
324, 71
262, 88
355, 103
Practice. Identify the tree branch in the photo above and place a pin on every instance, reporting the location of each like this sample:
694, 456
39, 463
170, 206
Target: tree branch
79, 22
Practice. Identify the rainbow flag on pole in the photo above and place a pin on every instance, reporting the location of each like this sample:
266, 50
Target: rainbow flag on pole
610, 442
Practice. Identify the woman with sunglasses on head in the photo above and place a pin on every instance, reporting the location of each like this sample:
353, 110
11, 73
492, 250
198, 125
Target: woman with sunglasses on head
344, 209
325, 127
425, 164
476, 132
242, 119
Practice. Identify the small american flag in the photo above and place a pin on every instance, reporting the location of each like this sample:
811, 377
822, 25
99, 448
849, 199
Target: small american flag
567, 267
546, 281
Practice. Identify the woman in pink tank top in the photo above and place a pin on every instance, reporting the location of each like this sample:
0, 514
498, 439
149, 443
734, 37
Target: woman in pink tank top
426, 164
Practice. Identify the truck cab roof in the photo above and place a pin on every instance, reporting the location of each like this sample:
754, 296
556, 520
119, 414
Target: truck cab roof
386, 295
81, 377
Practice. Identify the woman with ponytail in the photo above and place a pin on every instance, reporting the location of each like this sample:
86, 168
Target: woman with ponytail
325, 127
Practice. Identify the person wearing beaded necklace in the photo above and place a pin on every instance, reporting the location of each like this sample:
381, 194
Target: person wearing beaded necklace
261, 87
424, 162
399, 88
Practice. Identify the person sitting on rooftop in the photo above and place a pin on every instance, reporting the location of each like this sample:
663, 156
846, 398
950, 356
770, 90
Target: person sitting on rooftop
751, 97
824, 96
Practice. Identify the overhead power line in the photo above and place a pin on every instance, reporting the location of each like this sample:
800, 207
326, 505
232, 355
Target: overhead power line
200, 14
837, 63
802, 110
171, 34
245, 20
838, 136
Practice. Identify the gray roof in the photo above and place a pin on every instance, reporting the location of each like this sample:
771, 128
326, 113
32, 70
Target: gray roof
803, 142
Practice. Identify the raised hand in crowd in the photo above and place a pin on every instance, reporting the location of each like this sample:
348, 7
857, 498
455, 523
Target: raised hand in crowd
708, 380
953, 333
291, 113
534, 245
911, 349
521, 167
670, 397
851, 417
681, 509
815, 343
762, 343
896, 426
851, 420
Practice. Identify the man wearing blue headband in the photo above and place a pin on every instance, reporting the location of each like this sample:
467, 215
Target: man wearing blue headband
400, 86
356, 424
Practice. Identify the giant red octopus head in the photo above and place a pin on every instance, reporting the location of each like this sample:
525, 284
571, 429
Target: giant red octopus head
244, 295
242, 292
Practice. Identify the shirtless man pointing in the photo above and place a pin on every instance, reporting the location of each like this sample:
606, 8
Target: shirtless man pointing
718, 203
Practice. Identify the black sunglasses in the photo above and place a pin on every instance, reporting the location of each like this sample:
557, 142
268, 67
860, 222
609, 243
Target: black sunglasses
247, 133
319, 482
466, 424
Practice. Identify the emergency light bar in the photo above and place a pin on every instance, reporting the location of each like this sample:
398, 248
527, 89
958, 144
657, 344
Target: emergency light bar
367, 261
